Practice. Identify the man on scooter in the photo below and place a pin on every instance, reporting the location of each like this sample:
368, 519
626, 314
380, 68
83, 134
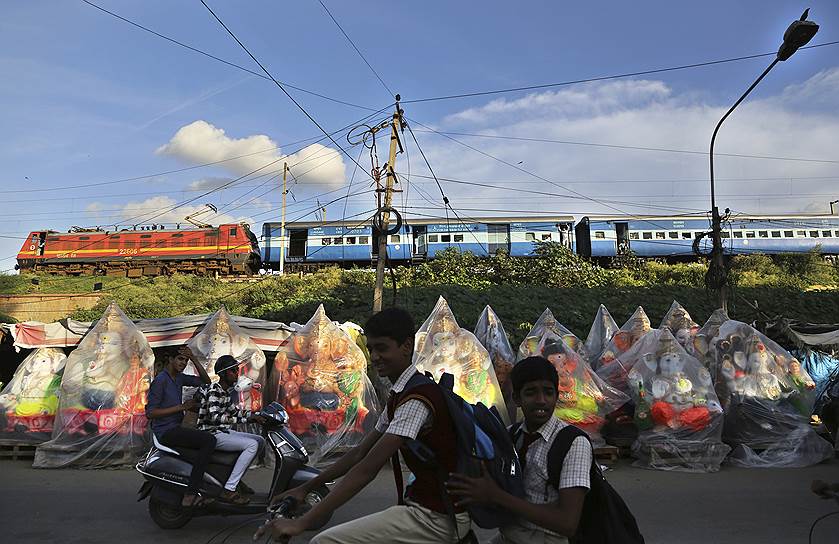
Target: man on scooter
218, 413
166, 410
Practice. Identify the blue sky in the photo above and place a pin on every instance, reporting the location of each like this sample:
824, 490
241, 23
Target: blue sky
86, 98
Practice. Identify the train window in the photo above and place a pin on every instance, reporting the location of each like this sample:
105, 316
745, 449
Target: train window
787, 234
432, 238
633, 236
600, 235
84, 237
350, 240
233, 231
814, 234
750, 234
659, 236
673, 234
211, 234
725, 234
546, 236
837, 233
826, 234
394, 238
738, 234
326, 241
145, 236
801, 233
179, 235
363, 240
458, 237
339, 241
446, 238
531, 236
648, 235
763, 234
776, 234
687, 235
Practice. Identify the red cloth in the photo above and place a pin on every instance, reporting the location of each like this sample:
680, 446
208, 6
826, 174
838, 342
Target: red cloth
662, 412
696, 418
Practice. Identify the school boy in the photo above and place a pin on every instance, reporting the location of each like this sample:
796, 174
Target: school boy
417, 413
549, 514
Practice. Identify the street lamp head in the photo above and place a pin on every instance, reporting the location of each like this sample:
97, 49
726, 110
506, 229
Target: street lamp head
798, 34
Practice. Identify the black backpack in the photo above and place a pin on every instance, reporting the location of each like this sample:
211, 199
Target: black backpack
482, 442
605, 518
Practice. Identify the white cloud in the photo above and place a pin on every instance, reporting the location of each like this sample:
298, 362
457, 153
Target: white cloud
161, 210
206, 184
201, 142
646, 114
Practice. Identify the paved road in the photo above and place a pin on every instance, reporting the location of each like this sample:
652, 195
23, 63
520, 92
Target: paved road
732, 506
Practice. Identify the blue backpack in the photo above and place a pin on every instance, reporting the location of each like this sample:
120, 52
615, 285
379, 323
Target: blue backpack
483, 445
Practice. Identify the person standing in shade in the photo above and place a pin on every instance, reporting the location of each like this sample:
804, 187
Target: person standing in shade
165, 409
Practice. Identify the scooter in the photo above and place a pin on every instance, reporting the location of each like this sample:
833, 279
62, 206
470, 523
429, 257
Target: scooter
167, 470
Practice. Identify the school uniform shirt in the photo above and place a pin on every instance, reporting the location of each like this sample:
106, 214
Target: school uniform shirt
575, 473
410, 417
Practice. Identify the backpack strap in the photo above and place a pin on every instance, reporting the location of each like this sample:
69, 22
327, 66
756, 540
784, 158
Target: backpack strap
559, 449
392, 402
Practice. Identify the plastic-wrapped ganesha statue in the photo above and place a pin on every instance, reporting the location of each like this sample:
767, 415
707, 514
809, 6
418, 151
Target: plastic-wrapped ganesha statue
441, 346
490, 332
678, 321
547, 322
321, 379
29, 402
603, 328
633, 330
677, 411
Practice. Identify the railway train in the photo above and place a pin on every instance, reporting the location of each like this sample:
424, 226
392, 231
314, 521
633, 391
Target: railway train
234, 250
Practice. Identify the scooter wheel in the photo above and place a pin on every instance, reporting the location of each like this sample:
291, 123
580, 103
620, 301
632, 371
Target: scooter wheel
167, 516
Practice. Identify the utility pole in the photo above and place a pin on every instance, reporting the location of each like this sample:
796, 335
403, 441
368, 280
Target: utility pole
384, 211
282, 222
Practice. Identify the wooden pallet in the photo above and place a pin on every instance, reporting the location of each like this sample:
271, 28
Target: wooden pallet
607, 453
15, 451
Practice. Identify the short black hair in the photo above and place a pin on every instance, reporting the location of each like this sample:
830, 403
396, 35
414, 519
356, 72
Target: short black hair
533, 369
393, 323
169, 352
225, 362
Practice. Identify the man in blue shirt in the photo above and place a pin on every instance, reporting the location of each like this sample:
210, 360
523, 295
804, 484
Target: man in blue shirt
165, 409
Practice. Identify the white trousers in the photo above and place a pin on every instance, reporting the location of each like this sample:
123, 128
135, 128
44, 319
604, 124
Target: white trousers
248, 444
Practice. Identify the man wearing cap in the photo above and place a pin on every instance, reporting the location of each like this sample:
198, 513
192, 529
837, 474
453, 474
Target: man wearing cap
218, 413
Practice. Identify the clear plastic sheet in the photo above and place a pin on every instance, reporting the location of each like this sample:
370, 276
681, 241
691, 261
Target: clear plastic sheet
678, 321
222, 336
101, 418
768, 398
704, 340
678, 415
547, 322
622, 342
490, 332
29, 401
584, 399
603, 328
441, 345
320, 377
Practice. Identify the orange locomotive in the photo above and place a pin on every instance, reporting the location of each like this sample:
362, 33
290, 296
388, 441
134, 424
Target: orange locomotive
226, 249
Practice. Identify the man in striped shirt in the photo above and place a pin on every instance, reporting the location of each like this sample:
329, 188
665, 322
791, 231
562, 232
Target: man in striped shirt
218, 413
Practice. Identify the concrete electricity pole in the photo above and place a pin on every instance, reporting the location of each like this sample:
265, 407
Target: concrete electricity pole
282, 222
383, 214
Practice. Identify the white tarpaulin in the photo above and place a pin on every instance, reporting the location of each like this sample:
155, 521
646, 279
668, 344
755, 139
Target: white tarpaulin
170, 331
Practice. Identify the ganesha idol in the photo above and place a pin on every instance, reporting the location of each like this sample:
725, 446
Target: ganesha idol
547, 323
222, 336
608, 367
322, 379
30, 400
678, 321
441, 346
106, 378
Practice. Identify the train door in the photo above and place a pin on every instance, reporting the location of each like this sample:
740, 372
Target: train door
42, 242
297, 239
498, 237
582, 232
622, 232
420, 247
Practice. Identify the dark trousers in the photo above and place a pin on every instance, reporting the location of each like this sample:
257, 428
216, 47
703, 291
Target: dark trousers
202, 441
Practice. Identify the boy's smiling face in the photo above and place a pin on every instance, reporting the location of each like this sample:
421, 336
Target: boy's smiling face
537, 400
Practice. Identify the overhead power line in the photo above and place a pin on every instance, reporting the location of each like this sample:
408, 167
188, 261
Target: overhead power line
704, 154
357, 50
604, 78
219, 59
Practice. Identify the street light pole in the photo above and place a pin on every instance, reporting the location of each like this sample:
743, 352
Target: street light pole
799, 33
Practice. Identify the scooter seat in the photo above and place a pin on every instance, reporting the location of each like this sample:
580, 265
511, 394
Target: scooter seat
227, 458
